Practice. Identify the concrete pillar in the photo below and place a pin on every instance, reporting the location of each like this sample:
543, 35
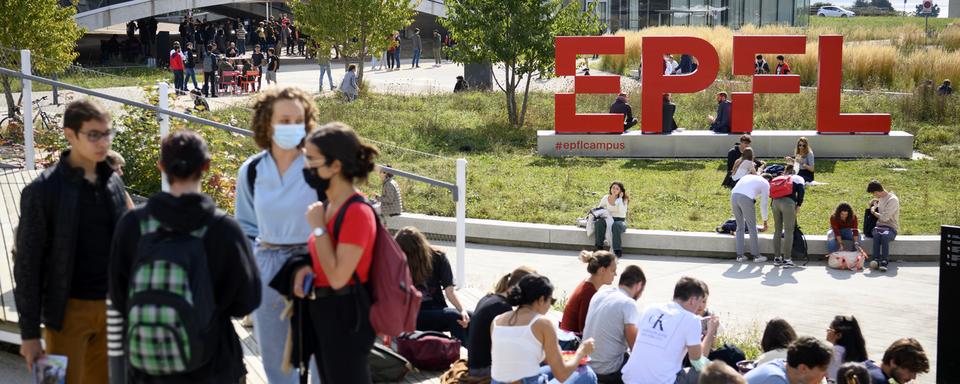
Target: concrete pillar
954, 10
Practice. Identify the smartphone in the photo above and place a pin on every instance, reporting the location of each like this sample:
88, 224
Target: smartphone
308, 284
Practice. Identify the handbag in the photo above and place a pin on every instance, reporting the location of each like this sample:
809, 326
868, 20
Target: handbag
429, 350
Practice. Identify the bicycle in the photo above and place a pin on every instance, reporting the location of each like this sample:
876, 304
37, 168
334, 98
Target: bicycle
42, 119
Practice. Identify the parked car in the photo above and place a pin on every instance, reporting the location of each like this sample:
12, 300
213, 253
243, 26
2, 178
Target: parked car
834, 11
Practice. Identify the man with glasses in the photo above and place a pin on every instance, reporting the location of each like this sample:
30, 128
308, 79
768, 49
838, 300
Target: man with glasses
67, 217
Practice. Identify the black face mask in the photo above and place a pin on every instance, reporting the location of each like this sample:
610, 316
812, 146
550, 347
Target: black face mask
316, 182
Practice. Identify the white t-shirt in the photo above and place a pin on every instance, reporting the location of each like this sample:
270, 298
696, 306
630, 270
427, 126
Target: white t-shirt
663, 334
610, 309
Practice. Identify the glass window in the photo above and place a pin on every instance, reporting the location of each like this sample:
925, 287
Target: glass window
751, 12
768, 11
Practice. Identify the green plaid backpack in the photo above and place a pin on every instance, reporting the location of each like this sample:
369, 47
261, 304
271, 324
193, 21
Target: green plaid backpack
171, 305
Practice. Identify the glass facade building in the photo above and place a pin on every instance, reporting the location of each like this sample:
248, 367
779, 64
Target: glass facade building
639, 14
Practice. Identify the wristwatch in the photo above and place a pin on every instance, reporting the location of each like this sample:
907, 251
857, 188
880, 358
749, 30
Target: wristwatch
319, 231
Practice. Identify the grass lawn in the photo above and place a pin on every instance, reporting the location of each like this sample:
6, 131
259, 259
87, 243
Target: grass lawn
878, 23
507, 180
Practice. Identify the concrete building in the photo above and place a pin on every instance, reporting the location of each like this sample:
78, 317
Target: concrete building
637, 14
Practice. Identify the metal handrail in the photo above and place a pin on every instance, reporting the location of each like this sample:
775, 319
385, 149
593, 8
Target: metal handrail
451, 187
121, 100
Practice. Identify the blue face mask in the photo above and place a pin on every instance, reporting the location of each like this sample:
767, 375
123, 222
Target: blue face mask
288, 136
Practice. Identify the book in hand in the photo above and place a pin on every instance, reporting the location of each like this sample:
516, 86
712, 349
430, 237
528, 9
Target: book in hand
50, 369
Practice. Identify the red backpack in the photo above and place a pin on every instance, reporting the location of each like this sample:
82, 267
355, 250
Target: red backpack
429, 350
781, 186
395, 301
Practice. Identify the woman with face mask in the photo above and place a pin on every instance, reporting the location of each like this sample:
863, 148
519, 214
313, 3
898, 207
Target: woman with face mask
271, 197
339, 305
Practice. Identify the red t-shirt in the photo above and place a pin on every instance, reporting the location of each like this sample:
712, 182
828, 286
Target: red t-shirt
359, 228
575, 314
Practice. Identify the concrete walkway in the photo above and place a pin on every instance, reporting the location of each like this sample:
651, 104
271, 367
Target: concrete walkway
899, 303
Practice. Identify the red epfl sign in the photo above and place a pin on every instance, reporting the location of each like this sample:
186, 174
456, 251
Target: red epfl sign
655, 83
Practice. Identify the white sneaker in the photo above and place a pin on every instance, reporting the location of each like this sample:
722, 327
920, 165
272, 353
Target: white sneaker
759, 259
741, 259
777, 261
788, 263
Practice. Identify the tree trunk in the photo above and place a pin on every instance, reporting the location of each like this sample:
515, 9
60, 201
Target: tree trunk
363, 56
511, 93
526, 94
11, 106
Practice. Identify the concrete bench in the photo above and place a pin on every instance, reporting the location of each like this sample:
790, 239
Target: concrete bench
647, 242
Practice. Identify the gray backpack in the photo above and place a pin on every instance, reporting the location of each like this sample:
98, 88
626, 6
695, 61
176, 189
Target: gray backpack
387, 366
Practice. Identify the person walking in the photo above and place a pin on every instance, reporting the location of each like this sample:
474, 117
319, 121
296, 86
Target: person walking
337, 162
137, 258
417, 48
271, 197
437, 48
191, 67
258, 60
273, 65
60, 262
743, 201
323, 60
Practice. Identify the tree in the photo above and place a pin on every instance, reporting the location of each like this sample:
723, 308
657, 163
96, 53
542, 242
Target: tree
518, 34
934, 11
46, 29
861, 4
358, 27
882, 4
820, 4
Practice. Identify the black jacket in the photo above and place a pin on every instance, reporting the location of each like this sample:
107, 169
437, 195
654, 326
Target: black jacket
722, 122
46, 242
233, 272
623, 107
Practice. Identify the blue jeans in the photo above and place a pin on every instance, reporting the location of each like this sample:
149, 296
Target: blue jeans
191, 74
846, 234
325, 68
396, 57
178, 82
583, 375
241, 46
882, 236
416, 58
269, 329
442, 320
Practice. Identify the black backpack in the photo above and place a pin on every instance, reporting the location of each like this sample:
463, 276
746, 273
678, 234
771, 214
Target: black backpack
170, 313
774, 169
869, 223
387, 365
800, 245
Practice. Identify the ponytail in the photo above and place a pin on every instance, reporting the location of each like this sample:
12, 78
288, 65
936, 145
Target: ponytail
596, 260
511, 279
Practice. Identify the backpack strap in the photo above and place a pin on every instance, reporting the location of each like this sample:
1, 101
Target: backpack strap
252, 171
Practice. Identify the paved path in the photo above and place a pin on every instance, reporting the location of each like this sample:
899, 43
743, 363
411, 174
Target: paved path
900, 303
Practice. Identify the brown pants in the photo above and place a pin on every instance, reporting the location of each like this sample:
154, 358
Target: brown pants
83, 340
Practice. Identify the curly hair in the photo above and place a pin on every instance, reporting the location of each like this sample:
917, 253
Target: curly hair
263, 113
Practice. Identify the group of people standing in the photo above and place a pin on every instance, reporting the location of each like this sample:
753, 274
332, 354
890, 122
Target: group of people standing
784, 187
391, 56
85, 257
